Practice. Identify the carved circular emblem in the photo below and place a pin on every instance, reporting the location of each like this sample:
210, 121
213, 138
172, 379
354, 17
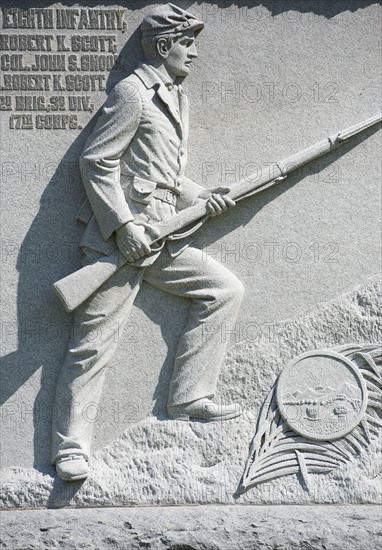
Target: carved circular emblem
322, 395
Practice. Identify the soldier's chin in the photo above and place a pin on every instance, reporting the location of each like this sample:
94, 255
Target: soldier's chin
184, 71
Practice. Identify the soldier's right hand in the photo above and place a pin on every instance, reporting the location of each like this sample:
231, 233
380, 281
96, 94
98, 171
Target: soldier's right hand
132, 241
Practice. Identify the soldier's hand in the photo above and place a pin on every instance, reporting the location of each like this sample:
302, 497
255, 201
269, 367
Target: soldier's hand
132, 241
217, 200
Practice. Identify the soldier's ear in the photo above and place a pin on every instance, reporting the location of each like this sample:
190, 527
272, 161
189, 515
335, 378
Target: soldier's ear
163, 47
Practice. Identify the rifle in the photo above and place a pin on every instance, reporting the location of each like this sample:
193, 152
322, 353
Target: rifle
80, 285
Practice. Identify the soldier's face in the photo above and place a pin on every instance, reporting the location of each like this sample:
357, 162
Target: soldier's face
180, 55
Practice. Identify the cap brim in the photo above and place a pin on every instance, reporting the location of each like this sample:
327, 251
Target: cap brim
197, 26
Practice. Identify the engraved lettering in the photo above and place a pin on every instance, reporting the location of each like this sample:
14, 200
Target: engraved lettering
21, 122
61, 45
89, 43
98, 62
58, 85
85, 83
93, 19
101, 19
57, 103
5, 103
66, 19
56, 122
49, 62
26, 42
29, 103
72, 63
39, 103
92, 54
79, 83
80, 103
12, 62
24, 82
33, 18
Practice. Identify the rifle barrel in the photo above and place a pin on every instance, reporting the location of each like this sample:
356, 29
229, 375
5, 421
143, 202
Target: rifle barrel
78, 286
282, 168
255, 182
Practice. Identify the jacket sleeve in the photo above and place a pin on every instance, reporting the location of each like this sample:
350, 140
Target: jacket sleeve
100, 160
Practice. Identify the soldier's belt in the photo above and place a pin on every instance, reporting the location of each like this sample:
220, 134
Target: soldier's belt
166, 195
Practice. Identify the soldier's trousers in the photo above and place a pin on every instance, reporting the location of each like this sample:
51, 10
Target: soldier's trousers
215, 295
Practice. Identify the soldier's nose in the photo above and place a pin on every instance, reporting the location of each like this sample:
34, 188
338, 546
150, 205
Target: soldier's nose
193, 52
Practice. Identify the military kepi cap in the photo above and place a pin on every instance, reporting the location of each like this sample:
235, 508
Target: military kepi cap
168, 19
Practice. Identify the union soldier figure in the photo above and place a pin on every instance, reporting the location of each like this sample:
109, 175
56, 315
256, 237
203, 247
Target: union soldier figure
133, 169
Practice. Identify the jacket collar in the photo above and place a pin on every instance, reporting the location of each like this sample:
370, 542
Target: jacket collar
151, 79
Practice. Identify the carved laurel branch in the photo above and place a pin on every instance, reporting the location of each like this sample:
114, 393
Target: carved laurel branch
276, 450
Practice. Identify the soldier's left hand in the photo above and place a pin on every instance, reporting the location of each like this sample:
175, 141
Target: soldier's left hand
218, 201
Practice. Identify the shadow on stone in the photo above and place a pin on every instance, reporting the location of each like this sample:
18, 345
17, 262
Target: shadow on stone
48, 252
324, 8
63, 493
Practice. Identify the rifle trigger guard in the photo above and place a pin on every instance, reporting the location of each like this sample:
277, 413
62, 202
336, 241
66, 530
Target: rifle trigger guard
158, 245
189, 232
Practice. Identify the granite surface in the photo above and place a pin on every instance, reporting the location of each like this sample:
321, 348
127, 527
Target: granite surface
196, 528
157, 461
271, 79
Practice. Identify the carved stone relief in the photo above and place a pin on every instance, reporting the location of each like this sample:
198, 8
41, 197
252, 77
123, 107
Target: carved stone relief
157, 436
324, 409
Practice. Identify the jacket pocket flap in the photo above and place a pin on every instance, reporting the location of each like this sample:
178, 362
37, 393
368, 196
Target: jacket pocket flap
141, 190
143, 186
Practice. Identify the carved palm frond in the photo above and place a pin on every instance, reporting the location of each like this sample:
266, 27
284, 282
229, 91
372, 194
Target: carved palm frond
276, 450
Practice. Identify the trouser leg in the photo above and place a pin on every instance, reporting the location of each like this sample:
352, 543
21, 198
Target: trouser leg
215, 295
93, 341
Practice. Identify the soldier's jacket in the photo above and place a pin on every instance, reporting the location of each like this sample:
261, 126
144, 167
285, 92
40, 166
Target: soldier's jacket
133, 164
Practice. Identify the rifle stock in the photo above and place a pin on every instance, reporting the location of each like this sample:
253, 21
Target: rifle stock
74, 289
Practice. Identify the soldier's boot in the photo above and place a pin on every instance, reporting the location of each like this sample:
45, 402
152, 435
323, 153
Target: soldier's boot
72, 468
204, 409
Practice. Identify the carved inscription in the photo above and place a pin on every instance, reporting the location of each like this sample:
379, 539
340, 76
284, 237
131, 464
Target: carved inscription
49, 75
